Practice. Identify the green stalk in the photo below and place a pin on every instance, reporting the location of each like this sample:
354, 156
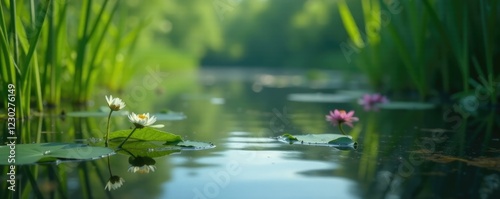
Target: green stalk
464, 63
13, 15
61, 24
38, 85
488, 37
120, 146
81, 50
406, 58
342, 129
350, 24
91, 65
9, 71
107, 129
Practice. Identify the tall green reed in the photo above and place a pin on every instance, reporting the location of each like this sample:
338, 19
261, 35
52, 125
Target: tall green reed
434, 41
46, 46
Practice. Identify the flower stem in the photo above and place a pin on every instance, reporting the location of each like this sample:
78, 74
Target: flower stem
127, 137
107, 132
341, 129
109, 167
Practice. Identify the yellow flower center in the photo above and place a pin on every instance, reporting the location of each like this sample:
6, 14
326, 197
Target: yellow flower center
342, 112
142, 116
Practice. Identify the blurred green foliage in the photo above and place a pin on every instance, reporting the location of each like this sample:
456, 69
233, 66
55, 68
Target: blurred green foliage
62, 50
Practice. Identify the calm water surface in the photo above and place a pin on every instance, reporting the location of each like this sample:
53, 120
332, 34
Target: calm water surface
434, 153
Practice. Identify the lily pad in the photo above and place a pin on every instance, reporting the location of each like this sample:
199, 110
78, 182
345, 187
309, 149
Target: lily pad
193, 145
331, 140
155, 149
407, 105
146, 134
321, 97
51, 152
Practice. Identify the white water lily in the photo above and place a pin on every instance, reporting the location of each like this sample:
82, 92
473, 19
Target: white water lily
143, 120
115, 104
114, 182
141, 169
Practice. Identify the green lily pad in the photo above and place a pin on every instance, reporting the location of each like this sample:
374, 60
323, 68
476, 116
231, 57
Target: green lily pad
320, 97
146, 134
193, 145
52, 152
331, 140
155, 149
407, 105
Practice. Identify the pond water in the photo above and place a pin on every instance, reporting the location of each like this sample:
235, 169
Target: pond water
439, 152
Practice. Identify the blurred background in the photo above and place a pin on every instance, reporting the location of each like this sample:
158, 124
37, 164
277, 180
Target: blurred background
421, 48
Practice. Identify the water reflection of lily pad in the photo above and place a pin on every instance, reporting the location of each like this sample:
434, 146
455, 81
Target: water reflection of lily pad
331, 140
321, 97
52, 152
407, 105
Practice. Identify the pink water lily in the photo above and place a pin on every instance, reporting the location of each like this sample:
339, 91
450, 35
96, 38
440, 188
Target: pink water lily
338, 117
370, 102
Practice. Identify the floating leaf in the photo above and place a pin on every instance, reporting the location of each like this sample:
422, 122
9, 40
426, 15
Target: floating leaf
193, 145
289, 138
155, 149
406, 105
332, 140
52, 152
146, 134
320, 97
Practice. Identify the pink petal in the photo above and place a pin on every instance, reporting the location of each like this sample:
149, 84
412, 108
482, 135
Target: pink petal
336, 112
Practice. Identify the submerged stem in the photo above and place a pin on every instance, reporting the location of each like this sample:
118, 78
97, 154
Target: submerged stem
120, 146
109, 167
107, 131
341, 129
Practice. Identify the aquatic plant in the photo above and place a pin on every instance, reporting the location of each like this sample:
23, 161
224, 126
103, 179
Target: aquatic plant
432, 41
140, 121
339, 117
370, 101
114, 104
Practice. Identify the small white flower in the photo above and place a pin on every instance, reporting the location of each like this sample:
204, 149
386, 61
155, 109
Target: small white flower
114, 182
143, 120
141, 169
115, 104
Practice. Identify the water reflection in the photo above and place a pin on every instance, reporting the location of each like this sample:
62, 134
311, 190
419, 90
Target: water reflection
251, 167
401, 153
